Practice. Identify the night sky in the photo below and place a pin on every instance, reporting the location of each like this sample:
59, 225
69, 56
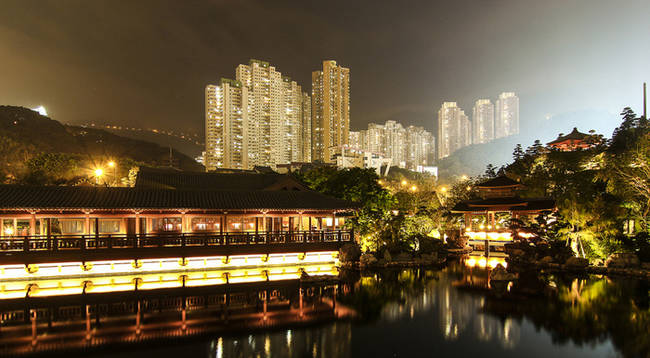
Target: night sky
146, 63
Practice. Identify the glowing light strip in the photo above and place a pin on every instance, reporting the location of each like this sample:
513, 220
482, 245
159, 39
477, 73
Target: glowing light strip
154, 281
122, 267
482, 235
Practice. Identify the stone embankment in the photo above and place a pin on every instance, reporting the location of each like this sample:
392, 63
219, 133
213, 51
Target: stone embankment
618, 264
350, 256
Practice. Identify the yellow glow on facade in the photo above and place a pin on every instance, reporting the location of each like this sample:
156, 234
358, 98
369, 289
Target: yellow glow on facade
482, 262
154, 281
495, 236
121, 267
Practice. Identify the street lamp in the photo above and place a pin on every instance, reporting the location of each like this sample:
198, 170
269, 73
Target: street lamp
414, 188
99, 172
404, 182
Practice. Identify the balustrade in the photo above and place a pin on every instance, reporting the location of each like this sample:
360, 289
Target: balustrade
152, 240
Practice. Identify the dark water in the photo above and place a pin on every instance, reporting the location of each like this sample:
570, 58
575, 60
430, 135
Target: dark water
452, 312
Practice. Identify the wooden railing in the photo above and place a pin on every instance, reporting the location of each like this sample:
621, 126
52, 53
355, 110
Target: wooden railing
161, 240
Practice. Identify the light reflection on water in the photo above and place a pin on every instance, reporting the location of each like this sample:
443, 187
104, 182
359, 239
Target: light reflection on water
455, 311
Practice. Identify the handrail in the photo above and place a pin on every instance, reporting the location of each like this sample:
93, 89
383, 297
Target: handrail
87, 242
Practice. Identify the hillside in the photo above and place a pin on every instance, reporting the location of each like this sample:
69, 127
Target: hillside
25, 136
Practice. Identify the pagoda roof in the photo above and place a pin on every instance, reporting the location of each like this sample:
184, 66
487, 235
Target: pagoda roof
111, 198
574, 135
511, 203
500, 181
153, 178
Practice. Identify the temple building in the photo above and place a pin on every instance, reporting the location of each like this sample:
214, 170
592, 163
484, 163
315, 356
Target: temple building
168, 221
488, 217
572, 141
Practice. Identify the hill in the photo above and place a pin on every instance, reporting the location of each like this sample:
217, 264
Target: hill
30, 142
473, 159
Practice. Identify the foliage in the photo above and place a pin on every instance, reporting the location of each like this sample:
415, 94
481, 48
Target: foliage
356, 185
595, 189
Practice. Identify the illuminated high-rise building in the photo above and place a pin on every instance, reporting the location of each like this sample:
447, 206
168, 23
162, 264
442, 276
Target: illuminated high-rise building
454, 129
330, 110
226, 118
410, 147
270, 118
306, 128
482, 121
506, 122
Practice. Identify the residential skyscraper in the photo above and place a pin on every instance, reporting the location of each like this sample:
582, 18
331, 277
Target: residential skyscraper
454, 129
330, 110
306, 128
226, 121
506, 122
482, 121
410, 147
263, 124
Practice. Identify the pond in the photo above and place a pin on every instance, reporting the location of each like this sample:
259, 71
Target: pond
454, 311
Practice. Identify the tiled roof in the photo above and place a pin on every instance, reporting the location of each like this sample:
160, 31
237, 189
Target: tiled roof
512, 203
150, 178
498, 182
80, 197
574, 135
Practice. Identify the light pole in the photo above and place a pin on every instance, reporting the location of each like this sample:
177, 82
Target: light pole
112, 164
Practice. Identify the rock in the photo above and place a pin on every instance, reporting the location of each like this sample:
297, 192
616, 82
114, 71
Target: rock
429, 259
367, 260
517, 252
349, 252
387, 256
403, 256
500, 274
598, 262
577, 262
546, 260
623, 260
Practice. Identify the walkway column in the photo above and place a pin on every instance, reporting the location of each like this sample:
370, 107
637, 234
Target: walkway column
32, 225
87, 224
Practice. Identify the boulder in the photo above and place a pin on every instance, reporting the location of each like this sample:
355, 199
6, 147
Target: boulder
349, 252
387, 256
501, 274
517, 252
403, 256
546, 260
623, 260
577, 262
429, 259
367, 260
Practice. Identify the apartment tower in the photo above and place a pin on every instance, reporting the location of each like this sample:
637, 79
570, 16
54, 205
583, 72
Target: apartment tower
506, 122
454, 129
330, 110
482, 121
256, 120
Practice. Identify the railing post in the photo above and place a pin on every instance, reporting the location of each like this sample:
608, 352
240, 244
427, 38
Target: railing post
322, 236
182, 239
109, 241
339, 235
26, 244
83, 243
225, 238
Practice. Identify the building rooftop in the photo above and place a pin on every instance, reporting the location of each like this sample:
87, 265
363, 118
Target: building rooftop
511, 204
84, 197
500, 181
152, 178
574, 135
